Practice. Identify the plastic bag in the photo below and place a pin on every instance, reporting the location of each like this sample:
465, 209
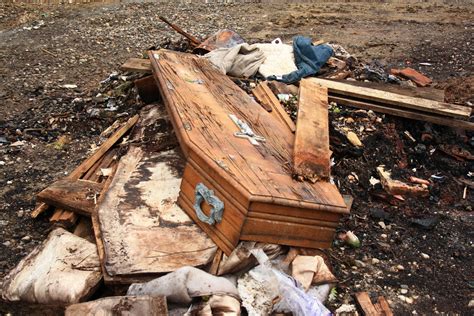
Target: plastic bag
292, 298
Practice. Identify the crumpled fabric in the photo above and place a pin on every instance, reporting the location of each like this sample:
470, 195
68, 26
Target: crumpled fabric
279, 59
311, 270
182, 285
242, 60
308, 58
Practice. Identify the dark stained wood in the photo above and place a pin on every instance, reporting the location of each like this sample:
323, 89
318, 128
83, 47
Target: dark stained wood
401, 101
137, 65
270, 102
245, 176
409, 114
147, 89
74, 195
311, 154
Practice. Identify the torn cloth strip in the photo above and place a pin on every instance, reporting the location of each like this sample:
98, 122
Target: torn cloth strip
308, 58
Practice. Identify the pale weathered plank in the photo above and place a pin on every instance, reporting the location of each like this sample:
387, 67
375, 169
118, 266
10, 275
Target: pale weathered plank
137, 65
403, 101
311, 154
142, 229
121, 305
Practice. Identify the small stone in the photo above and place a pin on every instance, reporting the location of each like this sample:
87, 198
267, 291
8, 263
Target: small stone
9, 182
403, 286
349, 120
404, 291
409, 300
7, 243
471, 303
20, 213
359, 264
2, 163
425, 256
400, 267
375, 261
26, 238
384, 236
402, 298
382, 225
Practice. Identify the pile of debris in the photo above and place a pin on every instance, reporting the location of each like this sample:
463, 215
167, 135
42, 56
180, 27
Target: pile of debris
218, 195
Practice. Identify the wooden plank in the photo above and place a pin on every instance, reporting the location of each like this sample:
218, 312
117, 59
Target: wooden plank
142, 229
402, 101
140, 65
270, 102
282, 88
73, 195
415, 76
311, 154
363, 301
121, 305
89, 162
409, 114
383, 307
416, 92
214, 269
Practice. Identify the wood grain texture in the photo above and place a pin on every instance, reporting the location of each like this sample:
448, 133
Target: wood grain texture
199, 100
73, 195
311, 154
270, 102
137, 65
389, 98
142, 229
365, 304
405, 113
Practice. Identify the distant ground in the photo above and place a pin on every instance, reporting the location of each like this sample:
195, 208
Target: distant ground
43, 48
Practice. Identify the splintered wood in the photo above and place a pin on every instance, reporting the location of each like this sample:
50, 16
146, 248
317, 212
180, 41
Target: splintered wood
142, 230
311, 154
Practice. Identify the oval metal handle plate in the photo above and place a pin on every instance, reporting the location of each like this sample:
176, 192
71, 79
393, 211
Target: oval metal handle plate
203, 194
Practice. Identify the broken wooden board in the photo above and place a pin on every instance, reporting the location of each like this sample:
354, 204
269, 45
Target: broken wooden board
415, 76
74, 195
121, 305
311, 153
396, 187
381, 308
137, 65
65, 269
338, 89
251, 177
269, 101
405, 113
143, 230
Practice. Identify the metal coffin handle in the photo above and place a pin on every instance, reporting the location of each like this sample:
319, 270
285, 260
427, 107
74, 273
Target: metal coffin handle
202, 193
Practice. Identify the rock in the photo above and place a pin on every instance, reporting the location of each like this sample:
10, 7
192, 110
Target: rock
7, 243
382, 224
409, 300
471, 303
425, 256
403, 286
26, 238
384, 236
18, 143
404, 291
346, 308
20, 213
359, 264
353, 139
400, 267
426, 223
375, 261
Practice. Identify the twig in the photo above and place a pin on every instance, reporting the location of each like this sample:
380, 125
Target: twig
47, 51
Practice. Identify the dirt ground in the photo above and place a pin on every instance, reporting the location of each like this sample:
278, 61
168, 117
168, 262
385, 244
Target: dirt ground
53, 59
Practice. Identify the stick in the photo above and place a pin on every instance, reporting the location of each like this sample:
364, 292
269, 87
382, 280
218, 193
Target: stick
191, 38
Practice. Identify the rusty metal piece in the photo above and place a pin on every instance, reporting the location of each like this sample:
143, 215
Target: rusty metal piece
220, 39
194, 41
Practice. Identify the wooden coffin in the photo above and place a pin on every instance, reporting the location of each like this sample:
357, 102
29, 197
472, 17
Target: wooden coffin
251, 177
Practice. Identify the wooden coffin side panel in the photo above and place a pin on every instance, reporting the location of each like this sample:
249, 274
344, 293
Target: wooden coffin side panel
225, 234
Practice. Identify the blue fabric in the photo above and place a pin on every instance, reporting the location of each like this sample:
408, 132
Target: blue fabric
308, 59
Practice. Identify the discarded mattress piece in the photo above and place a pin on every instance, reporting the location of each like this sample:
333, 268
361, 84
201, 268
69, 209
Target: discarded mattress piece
184, 284
236, 184
121, 305
242, 60
65, 269
143, 230
308, 58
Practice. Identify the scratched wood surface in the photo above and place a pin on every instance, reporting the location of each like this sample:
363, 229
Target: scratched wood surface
143, 230
311, 150
200, 99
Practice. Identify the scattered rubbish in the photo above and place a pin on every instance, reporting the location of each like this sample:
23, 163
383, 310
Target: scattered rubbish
310, 270
279, 59
410, 73
220, 39
65, 269
350, 238
396, 187
184, 284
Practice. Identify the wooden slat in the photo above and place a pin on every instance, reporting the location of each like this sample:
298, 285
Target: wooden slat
270, 102
311, 154
214, 269
140, 65
388, 98
121, 305
72, 195
363, 300
405, 113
